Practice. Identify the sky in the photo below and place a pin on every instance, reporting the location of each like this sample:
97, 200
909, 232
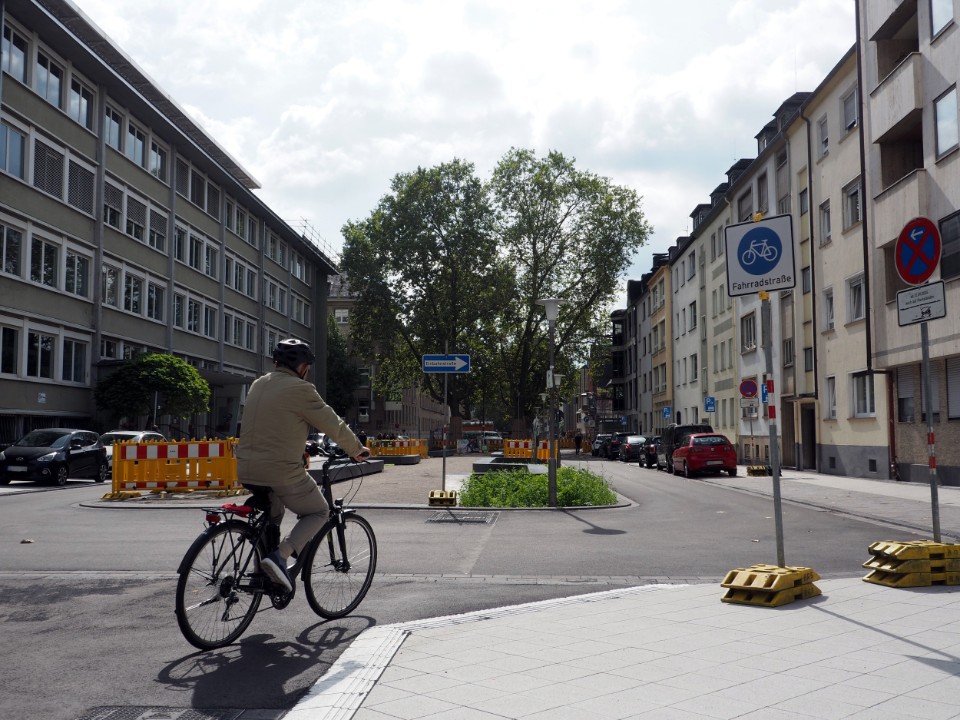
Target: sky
325, 101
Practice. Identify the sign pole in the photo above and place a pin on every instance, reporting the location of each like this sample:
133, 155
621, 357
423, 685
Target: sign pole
446, 425
766, 329
931, 451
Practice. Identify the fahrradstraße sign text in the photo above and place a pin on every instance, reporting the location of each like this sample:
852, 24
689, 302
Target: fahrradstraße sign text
760, 256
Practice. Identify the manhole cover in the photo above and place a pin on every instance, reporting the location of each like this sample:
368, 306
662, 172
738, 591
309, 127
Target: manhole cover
446, 516
157, 713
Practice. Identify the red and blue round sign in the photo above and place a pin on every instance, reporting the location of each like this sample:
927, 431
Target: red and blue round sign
748, 388
917, 252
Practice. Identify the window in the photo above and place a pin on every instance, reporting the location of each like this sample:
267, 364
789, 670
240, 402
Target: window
136, 145
694, 370
13, 59
823, 136
863, 400
11, 247
80, 186
849, 109
198, 187
209, 321
48, 169
158, 230
136, 218
112, 123
830, 408
342, 316
44, 261
748, 332
953, 388
788, 357
112, 205
905, 404
49, 79
950, 247
157, 163
9, 352
851, 204
77, 274
178, 303
133, 294
210, 256
80, 103
808, 359
804, 202
856, 302
193, 316
828, 317
762, 203
179, 244
111, 286
12, 145
692, 260
745, 206
155, 297
693, 315
945, 108
941, 13
825, 223
196, 252
40, 355
74, 361
806, 279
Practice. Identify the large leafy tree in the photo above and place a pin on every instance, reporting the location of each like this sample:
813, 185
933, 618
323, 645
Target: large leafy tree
572, 235
427, 271
130, 390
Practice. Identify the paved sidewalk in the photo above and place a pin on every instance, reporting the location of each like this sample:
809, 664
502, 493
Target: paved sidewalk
676, 651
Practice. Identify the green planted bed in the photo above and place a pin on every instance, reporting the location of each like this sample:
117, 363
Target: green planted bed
519, 488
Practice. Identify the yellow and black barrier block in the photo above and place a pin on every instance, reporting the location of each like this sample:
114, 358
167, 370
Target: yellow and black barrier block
769, 585
917, 563
442, 497
120, 496
759, 470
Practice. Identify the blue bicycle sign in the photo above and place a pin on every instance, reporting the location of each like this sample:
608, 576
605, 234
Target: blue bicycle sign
759, 250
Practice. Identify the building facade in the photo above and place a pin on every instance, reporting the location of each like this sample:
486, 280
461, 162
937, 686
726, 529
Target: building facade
124, 228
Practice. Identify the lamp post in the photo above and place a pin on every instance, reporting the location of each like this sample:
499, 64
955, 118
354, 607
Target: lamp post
552, 308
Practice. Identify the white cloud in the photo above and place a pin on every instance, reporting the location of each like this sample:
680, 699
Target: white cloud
324, 102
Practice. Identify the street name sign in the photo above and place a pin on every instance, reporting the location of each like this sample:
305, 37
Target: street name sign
921, 303
446, 363
760, 256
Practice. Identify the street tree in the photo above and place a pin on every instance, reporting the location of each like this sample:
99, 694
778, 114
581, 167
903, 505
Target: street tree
132, 389
343, 377
427, 271
572, 235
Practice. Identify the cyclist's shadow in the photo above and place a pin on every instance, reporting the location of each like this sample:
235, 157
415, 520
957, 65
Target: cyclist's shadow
260, 670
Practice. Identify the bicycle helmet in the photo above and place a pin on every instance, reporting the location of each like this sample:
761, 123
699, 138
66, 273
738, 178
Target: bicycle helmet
290, 353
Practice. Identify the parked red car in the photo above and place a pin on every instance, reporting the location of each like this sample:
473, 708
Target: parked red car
705, 452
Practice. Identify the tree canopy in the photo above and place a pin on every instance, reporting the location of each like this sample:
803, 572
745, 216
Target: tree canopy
130, 390
343, 378
449, 263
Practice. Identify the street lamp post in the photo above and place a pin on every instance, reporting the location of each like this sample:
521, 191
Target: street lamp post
552, 308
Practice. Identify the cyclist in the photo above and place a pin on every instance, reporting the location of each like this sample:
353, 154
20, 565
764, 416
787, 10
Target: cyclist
281, 407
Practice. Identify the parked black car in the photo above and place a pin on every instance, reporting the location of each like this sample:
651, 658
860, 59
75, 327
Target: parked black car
52, 455
632, 447
611, 451
650, 451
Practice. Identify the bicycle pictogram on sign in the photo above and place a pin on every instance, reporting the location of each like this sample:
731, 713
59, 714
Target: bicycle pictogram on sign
759, 250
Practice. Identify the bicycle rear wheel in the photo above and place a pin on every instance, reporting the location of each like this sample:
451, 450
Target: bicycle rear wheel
215, 603
336, 584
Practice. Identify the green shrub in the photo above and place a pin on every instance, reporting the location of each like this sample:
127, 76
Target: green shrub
518, 488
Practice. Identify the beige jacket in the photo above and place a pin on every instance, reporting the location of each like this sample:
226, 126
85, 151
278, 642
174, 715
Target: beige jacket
277, 416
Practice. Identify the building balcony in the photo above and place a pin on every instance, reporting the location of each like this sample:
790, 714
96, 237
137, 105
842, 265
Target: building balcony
884, 13
899, 203
897, 101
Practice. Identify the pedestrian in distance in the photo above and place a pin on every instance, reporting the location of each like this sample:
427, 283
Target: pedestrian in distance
577, 441
279, 412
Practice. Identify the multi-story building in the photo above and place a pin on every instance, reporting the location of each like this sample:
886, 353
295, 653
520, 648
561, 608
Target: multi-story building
687, 398
909, 54
661, 341
125, 227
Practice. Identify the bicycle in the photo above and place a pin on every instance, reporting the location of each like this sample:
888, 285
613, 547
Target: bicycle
220, 587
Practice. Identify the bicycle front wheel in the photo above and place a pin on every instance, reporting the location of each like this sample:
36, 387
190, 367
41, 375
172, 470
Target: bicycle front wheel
215, 602
336, 582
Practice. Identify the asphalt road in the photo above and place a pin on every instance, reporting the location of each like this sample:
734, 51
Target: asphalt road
88, 615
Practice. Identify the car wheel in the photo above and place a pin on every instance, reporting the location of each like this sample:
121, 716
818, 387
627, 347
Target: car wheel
687, 473
733, 472
4, 480
60, 478
102, 472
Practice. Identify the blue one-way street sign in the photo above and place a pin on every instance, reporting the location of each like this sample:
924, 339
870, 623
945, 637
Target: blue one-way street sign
446, 363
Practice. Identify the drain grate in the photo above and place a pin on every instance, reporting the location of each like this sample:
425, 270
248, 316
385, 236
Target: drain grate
157, 713
473, 518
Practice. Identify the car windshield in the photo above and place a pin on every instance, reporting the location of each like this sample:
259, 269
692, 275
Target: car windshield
44, 438
636, 440
111, 438
710, 440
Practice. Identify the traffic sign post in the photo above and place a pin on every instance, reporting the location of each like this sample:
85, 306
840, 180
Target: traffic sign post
710, 404
445, 364
917, 255
667, 412
748, 388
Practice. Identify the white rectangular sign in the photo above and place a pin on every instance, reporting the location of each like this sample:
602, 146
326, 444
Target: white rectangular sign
921, 303
749, 402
